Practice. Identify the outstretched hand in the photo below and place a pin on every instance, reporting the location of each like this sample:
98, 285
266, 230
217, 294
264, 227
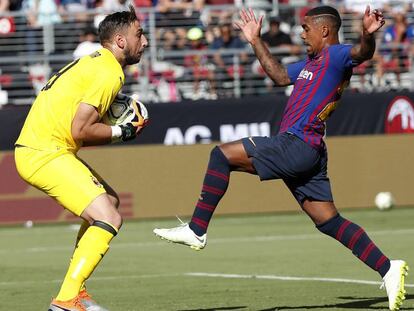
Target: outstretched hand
373, 20
249, 25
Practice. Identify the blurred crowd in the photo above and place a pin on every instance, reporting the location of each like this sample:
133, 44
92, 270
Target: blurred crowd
203, 30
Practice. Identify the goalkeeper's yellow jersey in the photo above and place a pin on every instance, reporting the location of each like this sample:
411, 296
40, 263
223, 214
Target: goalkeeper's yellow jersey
94, 79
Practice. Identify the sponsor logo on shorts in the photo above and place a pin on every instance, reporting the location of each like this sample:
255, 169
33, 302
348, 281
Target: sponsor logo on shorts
252, 141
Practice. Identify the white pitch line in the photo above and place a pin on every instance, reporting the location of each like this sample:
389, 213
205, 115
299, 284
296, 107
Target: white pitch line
294, 237
102, 278
203, 274
297, 237
284, 278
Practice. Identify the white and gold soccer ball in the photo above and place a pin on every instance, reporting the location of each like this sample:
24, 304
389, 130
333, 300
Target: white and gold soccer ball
126, 109
384, 201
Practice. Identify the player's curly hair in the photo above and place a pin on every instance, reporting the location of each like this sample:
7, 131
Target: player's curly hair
114, 23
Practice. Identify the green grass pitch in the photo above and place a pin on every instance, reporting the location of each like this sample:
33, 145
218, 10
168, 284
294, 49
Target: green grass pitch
259, 262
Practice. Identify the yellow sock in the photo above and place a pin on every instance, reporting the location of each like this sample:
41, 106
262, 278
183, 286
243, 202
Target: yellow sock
85, 225
91, 249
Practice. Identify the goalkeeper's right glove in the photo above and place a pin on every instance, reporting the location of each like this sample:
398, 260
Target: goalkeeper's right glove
123, 132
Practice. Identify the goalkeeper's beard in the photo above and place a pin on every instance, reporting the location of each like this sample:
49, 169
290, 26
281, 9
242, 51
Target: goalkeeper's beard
131, 59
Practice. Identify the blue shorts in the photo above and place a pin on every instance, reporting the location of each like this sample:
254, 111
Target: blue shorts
285, 156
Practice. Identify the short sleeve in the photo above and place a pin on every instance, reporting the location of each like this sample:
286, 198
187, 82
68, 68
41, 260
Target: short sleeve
102, 91
294, 70
341, 56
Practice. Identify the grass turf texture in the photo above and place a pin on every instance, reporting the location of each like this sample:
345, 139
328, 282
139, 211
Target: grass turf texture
141, 272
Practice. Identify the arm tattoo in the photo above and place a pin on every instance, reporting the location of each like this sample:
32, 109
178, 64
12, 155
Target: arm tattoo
365, 50
275, 70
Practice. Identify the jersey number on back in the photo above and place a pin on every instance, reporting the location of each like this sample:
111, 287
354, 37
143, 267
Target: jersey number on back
53, 79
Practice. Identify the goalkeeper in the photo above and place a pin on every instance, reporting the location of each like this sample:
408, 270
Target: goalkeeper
66, 116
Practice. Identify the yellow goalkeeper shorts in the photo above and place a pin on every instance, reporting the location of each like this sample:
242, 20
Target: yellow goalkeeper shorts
61, 175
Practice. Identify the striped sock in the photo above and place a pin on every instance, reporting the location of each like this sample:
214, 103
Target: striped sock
354, 237
215, 185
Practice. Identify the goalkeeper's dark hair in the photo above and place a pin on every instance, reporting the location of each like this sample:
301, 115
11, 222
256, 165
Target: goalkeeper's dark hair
114, 23
327, 13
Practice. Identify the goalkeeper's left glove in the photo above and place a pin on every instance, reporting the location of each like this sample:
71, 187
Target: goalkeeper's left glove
123, 132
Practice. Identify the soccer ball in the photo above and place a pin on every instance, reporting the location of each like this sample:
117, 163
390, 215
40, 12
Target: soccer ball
126, 109
384, 201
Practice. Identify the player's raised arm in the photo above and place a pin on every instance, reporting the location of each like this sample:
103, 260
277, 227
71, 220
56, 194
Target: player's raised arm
251, 27
372, 22
87, 128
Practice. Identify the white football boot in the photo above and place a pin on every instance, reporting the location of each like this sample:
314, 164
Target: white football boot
394, 283
182, 235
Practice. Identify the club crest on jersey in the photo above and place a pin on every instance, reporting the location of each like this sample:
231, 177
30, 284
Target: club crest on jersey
304, 74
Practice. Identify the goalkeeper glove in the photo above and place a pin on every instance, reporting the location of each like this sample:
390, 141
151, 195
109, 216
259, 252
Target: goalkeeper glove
123, 132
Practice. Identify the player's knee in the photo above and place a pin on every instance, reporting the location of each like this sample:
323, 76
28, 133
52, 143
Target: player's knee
116, 220
113, 218
106, 226
218, 155
103, 208
114, 198
331, 225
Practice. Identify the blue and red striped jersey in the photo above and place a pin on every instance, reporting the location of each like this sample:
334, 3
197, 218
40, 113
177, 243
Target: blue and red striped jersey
318, 85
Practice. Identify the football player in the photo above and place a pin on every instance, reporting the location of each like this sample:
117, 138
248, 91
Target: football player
66, 116
297, 154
